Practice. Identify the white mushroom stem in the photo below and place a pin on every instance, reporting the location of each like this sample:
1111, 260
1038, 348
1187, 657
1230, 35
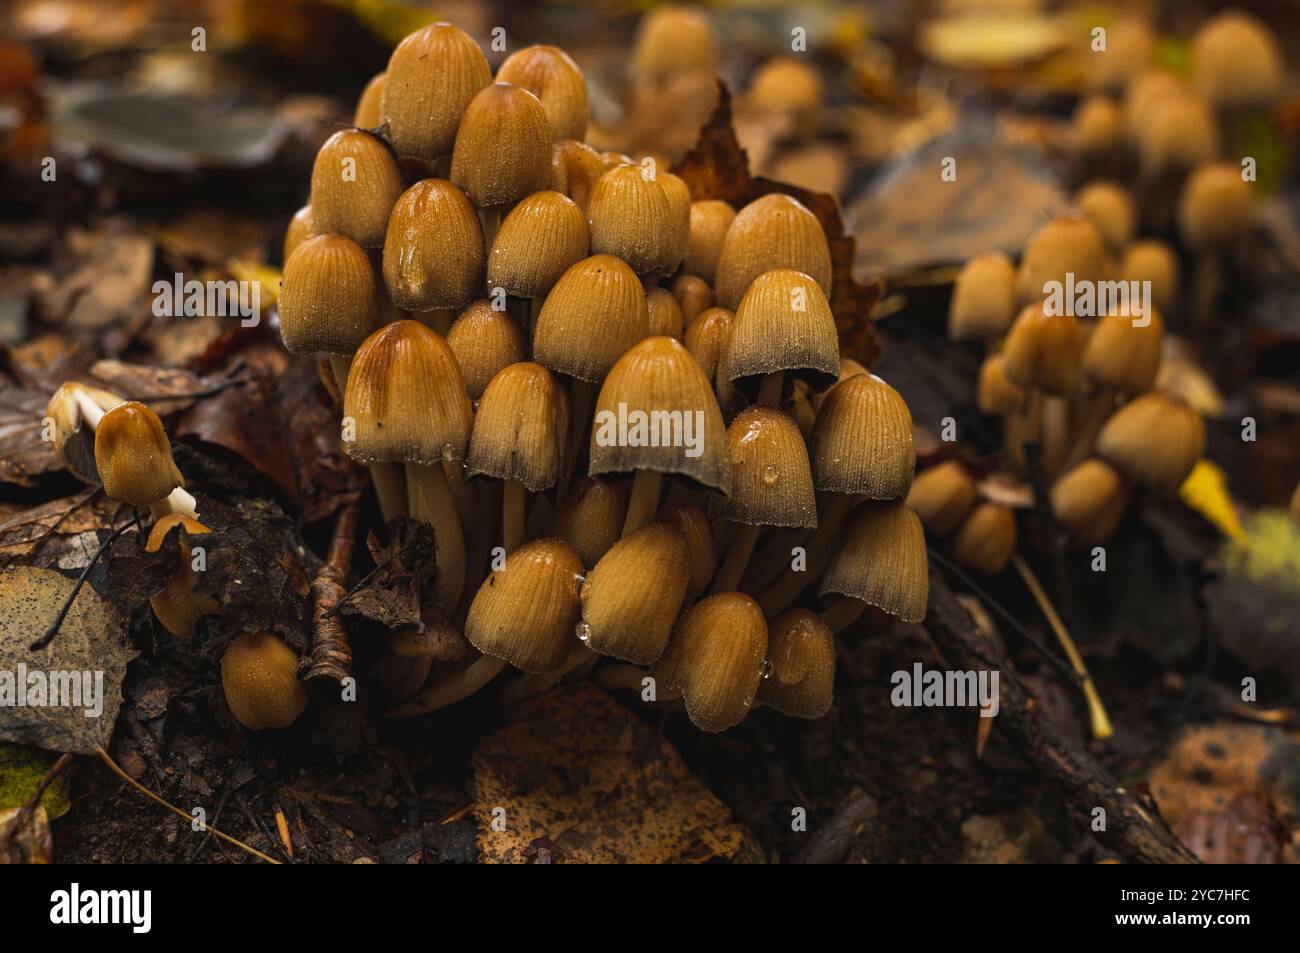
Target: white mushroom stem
644, 502
512, 515
431, 502
341, 365
453, 688
733, 567
843, 614
534, 683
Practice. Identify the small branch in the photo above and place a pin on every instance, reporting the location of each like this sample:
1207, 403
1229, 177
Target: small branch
331, 655
830, 843
1134, 827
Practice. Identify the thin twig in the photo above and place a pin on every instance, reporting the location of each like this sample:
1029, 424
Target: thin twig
331, 655
48, 635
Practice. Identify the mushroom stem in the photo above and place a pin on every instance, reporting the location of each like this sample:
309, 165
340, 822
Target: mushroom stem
178, 501
490, 219
91, 412
843, 614
1099, 407
733, 567
534, 683
512, 515
772, 557
341, 365
387, 480
631, 678
1100, 721
439, 319
817, 552
431, 503
644, 501
1056, 434
582, 394
453, 688
769, 391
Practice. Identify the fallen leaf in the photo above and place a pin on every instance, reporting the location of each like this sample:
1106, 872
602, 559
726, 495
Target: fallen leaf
1206, 491
21, 771
25, 836
580, 778
107, 280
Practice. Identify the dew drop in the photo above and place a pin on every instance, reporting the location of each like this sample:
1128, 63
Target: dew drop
583, 631
766, 668
771, 473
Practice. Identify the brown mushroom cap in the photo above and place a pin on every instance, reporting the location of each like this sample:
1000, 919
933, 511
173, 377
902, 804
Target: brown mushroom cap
1154, 261
590, 517
775, 231
862, 442
521, 428
785, 84
1065, 245
1180, 132
631, 598
329, 299
986, 539
942, 496
592, 316
1216, 206
354, 183
694, 296
1097, 127
1129, 45
802, 652
630, 217
659, 390
1153, 441
1236, 61
527, 612
983, 298
771, 479
706, 338
715, 658
994, 392
550, 74
134, 456
673, 39
1109, 207
433, 254
407, 398
1146, 92
484, 341
432, 76
539, 240
370, 104
709, 221
694, 523
1089, 500
259, 677
880, 559
300, 229
1122, 355
665, 313
575, 168
679, 217
784, 323
74, 444
503, 147
177, 607
1044, 351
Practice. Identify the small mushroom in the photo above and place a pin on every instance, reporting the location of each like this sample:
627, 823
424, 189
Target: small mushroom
259, 678
775, 231
590, 517
986, 539
550, 74
983, 298
432, 76
709, 221
1154, 441
1089, 500
802, 652
355, 182
942, 496
881, 561
177, 607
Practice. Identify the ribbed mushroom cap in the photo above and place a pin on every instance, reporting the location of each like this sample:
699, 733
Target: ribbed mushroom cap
177, 607
1065, 245
679, 216
259, 677
527, 613
1129, 44
710, 219
134, 456
1148, 89
1121, 356
1089, 500
433, 254
539, 240
659, 389
715, 658
1154, 261
802, 652
1236, 61
785, 84
862, 442
612, 159
503, 147
665, 314
575, 168
354, 183
300, 229
983, 298
1216, 206
630, 217
1109, 207
521, 428
1153, 441
484, 341
432, 76
550, 74
994, 393
631, 598
1044, 351
694, 296
986, 539
771, 479
942, 496
694, 523
590, 517
775, 231
706, 338
370, 104
591, 317
784, 323
880, 559
672, 40
74, 443
1180, 133
407, 398
329, 299
1097, 127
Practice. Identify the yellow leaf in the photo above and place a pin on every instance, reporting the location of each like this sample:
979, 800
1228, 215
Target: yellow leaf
1206, 491
267, 277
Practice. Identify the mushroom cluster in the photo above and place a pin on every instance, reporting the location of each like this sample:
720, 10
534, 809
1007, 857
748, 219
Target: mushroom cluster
621, 407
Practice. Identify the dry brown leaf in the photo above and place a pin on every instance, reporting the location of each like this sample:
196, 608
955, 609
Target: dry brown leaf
577, 776
25, 836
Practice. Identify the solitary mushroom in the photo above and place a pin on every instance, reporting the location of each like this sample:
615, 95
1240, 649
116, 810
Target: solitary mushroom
134, 458
259, 678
